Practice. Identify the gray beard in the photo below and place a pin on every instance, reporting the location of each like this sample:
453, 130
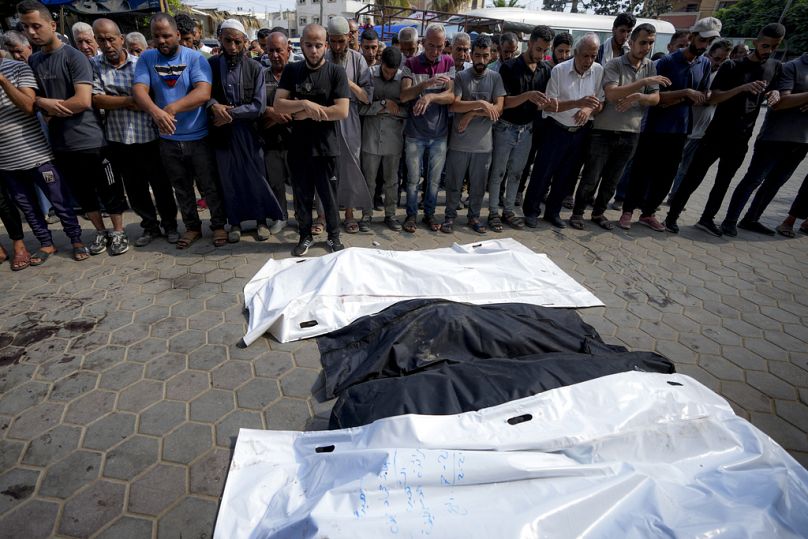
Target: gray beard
340, 58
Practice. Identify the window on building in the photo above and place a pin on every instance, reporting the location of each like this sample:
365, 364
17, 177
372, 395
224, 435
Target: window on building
301, 21
315, 20
315, 1
726, 4
691, 8
301, 2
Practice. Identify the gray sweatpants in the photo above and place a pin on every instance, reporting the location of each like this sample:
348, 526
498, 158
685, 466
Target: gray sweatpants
458, 166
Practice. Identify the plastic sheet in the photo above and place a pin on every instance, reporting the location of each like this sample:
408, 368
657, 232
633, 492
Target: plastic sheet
628, 455
299, 298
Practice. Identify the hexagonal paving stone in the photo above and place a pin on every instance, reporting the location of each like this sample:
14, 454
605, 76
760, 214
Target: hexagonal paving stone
23, 397
186, 443
211, 405
307, 356
187, 385
9, 453
232, 374
90, 407
105, 499
88, 342
121, 376
74, 385
128, 527
186, 341
58, 368
131, 457
205, 320
226, 334
104, 358
16, 486
152, 314
33, 520
140, 395
36, 420
130, 334
157, 489
52, 446
227, 429
109, 431
15, 375
165, 366
192, 517
168, 327
161, 418
257, 394
287, 414
207, 357
146, 350
300, 383
67, 476
208, 473
273, 364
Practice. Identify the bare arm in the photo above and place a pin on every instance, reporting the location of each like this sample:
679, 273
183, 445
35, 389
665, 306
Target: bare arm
791, 101
81, 100
616, 93
165, 122
339, 110
358, 92
113, 102
198, 97
23, 98
460, 106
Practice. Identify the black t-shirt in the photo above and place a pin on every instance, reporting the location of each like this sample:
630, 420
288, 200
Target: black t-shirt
518, 79
738, 114
322, 86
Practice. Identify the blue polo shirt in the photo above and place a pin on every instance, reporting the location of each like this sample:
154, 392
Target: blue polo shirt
172, 78
678, 119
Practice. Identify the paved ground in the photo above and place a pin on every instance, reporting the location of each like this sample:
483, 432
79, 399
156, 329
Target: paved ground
122, 390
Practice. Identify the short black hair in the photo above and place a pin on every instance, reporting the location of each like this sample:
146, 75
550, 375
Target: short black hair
644, 27
495, 39
164, 17
542, 32
394, 40
508, 37
369, 34
657, 56
679, 34
624, 19
725, 44
29, 6
280, 29
262, 33
185, 24
482, 42
774, 30
564, 38
391, 57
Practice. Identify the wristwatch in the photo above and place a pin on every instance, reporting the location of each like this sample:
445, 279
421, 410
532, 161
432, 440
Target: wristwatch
383, 102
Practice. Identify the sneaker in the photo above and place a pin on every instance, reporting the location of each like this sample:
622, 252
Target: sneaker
334, 244
262, 232
234, 236
146, 238
277, 226
625, 219
756, 226
364, 223
531, 221
172, 236
616, 205
709, 226
51, 218
671, 226
652, 223
99, 244
119, 243
302, 246
393, 224
729, 228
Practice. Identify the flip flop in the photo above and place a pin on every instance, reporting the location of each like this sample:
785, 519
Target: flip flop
351, 226
603, 223
220, 238
20, 262
81, 253
40, 257
786, 231
190, 236
317, 229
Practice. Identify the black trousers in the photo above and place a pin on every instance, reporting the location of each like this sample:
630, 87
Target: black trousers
608, 153
140, 167
91, 181
310, 174
654, 167
799, 208
727, 148
184, 162
9, 215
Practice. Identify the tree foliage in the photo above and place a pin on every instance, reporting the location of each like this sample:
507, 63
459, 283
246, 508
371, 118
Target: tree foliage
505, 3
643, 8
747, 17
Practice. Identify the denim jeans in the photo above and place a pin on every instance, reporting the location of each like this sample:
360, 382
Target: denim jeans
512, 144
609, 151
415, 149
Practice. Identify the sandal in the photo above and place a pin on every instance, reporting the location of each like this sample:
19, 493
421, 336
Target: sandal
80, 252
219, 237
495, 223
477, 226
40, 257
577, 222
20, 261
190, 236
429, 220
602, 222
409, 224
513, 220
804, 229
786, 231
448, 226
317, 228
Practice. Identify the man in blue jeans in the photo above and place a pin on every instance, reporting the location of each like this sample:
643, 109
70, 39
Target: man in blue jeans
427, 82
180, 79
525, 79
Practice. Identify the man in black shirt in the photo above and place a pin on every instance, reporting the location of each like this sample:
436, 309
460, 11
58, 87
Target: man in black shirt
739, 90
525, 78
316, 94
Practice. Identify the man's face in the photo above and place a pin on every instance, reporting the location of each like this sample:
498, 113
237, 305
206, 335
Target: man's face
740, 52
388, 72
480, 57
537, 50
508, 50
494, 52
765, 46
369, 49
585, 57
135, 49
165, 39
717, 57
233, 42
562, 53
197, 37
353, 34
339, 46
20, 53
40, 32
679, 43
461, 52
263, 42
187, 40
278, 51
433, 44
642, 45
407, 48
699, 45
110, 43
379, 52
620, 34
313, 45
85, 42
